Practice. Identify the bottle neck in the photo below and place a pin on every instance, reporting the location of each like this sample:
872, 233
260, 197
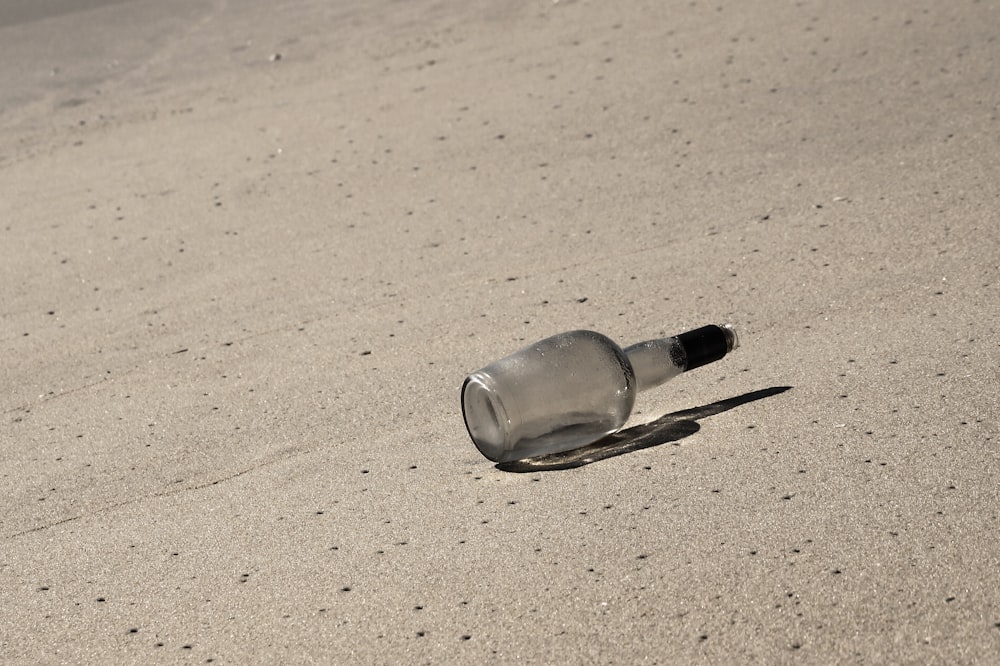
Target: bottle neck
657, 361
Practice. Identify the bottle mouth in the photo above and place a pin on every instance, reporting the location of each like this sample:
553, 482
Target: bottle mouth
485, 416
732, 337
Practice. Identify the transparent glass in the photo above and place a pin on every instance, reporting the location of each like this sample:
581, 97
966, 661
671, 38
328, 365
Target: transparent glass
574, 388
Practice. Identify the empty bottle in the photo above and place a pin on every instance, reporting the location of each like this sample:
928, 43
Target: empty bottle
574, 388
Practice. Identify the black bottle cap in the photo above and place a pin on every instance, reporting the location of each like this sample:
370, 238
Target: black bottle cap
706, 344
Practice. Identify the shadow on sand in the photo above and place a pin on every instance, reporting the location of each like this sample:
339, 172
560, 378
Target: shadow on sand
667, 428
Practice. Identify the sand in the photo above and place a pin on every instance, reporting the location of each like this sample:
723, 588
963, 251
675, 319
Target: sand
250, 250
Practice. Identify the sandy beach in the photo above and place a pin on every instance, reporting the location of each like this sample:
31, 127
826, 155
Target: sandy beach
249, 252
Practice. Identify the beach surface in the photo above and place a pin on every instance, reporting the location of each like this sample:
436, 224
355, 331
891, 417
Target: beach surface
250, 250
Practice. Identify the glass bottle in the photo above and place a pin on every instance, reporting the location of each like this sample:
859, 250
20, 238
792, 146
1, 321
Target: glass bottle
574, 388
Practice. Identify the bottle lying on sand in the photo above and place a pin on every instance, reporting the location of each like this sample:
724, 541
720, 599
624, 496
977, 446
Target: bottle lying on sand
574, 388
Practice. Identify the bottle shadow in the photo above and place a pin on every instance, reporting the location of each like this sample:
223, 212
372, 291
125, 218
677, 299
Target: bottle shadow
668, 428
